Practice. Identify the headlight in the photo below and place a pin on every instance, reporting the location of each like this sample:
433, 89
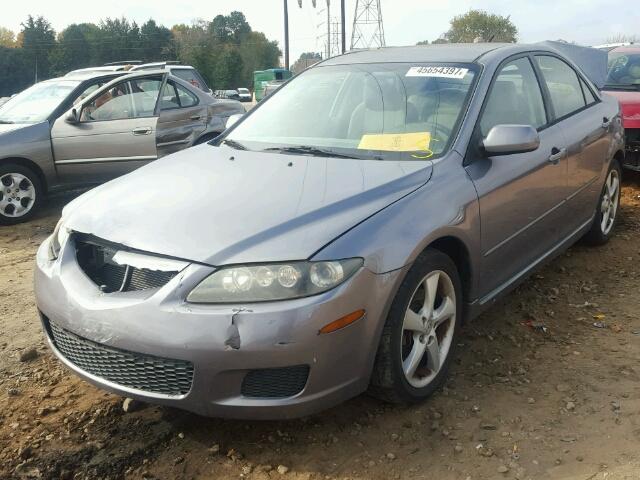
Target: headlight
269, 282
58, 239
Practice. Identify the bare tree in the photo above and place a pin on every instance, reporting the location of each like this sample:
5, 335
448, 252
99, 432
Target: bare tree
622, 38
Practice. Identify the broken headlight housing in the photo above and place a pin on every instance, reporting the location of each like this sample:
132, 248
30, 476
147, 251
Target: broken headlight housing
57, 240
275, 281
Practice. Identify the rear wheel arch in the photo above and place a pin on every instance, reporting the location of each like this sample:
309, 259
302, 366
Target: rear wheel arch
31, 165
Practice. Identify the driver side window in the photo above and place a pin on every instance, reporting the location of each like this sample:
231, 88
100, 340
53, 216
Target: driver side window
131, 99
112, 104
515, 98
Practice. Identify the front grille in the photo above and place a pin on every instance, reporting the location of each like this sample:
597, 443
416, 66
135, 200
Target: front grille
134, 370
275, 382
96, 260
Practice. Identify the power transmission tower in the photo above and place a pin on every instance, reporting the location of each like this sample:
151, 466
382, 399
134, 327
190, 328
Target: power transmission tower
335, 41
368, 30
335, 37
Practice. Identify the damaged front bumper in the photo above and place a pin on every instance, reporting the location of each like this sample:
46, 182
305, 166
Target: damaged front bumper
261, 361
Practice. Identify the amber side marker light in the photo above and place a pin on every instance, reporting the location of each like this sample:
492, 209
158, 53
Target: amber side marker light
342, 322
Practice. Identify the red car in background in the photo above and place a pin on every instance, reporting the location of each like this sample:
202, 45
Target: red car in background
623, 82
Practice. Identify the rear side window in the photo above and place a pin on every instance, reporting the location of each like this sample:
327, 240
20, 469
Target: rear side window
563, 84
192, 76
515, 98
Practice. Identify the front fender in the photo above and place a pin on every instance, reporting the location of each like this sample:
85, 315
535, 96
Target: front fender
446, 206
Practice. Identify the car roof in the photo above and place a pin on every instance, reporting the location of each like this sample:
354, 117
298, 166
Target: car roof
103, 69
449, 52
446, 52
161, 65
88, 75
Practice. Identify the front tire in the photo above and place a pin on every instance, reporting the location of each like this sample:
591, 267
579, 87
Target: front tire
607, 210
20, 193
420, 333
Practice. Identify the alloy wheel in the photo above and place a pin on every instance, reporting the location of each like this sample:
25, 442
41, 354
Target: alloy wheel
610, 201
428, 328
17, 195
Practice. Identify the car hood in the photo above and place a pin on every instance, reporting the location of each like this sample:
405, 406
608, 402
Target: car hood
217, 206
630, 105
10, 127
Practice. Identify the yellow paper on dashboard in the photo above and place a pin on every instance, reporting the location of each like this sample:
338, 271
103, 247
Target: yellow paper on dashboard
396, 142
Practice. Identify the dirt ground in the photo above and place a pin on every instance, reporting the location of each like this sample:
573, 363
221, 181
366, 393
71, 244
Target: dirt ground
545, 386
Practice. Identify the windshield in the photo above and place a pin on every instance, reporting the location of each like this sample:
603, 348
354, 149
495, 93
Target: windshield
36, 103
624, 69
380, 111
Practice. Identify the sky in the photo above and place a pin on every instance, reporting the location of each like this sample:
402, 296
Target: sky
587, 22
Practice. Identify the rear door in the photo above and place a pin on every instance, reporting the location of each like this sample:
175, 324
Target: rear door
116, 132
582, 117
183, 118
520, 195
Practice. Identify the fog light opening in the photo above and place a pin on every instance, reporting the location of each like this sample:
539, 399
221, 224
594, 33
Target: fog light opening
342, 322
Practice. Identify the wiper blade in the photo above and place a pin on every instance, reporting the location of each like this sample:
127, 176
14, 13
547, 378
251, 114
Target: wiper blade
6, 122
233, 144
307, 150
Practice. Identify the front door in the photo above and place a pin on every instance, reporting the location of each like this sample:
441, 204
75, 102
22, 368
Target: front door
115, 132
520, 195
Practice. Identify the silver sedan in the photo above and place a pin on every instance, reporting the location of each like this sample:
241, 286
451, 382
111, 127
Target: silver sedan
334, 239
87, 128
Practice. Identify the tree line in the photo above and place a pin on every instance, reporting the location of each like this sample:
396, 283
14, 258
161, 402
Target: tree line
225, 50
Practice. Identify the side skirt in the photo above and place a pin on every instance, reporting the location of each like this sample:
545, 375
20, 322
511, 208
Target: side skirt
475, 308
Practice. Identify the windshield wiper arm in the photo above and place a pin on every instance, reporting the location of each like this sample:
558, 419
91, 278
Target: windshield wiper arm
307, 150
233, 144
6, 122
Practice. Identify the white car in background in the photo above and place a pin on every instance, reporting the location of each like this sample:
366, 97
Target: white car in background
245, 95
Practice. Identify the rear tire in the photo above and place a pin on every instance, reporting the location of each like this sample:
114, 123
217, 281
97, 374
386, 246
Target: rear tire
608, 208
20, 193
420, 333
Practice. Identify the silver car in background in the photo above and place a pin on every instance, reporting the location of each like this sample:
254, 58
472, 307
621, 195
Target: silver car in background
335, 238
92, 127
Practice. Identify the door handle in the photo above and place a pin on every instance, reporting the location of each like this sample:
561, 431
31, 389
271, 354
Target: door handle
141, 131
606, 123
195, 117
557, 155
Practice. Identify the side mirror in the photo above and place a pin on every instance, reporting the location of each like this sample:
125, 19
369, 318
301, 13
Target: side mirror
233, 119
509, 139
72, 117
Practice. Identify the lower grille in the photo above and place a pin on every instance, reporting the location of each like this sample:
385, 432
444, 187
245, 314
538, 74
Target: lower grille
129, 369
632, 155
96, 260
275, 382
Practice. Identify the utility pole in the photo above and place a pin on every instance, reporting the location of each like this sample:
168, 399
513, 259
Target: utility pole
286, 35
328, 28
342, 24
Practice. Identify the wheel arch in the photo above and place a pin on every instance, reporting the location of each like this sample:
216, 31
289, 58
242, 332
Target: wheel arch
458, 252
619, 156
205, 137
30, 164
